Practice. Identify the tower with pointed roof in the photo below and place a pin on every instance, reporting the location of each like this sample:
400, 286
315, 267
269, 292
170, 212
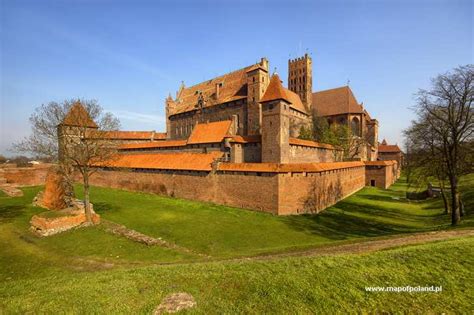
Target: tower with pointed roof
77, 117
275, 123
300, 79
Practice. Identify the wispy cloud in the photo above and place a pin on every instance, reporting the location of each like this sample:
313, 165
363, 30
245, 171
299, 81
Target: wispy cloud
138, 117
94, 44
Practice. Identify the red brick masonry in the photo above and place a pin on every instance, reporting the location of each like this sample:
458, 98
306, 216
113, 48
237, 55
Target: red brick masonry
276, 189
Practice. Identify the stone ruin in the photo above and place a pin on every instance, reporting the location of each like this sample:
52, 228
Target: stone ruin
65, 211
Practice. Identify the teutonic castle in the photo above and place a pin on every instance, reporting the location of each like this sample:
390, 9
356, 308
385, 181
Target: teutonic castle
234, 140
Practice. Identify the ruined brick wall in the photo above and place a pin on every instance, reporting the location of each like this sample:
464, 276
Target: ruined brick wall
27, 176
303, 154
237, 190
313, 192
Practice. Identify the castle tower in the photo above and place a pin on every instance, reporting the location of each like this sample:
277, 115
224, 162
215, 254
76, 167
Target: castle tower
275, 123
300, 79
69, 130
257, 82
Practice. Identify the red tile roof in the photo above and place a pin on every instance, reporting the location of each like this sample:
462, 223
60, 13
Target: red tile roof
276, 91
78, 116
308, 143
213, 132
336, 101
286, 168
165, 161
154, 144
380, 163
130, 135
234, 87
246, 139
389, 148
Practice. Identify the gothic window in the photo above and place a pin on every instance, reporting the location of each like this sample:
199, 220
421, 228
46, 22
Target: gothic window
253, 79
355, 126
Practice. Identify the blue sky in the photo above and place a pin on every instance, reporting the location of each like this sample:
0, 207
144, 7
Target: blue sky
130, 54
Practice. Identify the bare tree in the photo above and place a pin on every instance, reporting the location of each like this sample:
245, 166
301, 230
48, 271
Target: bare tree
426, 161
448, 111
78, 134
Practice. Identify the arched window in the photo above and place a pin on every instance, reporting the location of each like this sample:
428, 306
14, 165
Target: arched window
355, 126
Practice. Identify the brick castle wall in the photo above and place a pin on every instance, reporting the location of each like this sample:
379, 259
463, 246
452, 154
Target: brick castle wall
313, 192
304, 154
237, 190
26, 176
381, 176
283, 194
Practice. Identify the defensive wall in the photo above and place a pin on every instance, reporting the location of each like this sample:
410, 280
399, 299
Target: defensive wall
281, 189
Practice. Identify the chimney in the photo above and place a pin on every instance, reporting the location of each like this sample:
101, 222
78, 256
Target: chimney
218, 88
264, 63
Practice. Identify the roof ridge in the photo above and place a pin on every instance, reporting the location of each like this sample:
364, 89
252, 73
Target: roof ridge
222, 75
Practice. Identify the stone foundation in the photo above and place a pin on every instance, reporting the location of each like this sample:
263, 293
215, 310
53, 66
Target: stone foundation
57, 221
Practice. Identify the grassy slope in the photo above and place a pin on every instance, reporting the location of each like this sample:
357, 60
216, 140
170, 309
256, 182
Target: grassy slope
292, 285
225, 231
62, 271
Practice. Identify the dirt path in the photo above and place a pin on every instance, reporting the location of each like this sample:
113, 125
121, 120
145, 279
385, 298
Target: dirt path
364, 246
369, 246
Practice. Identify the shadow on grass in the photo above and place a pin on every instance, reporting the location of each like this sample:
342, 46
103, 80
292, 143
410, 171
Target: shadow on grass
9, 212
348, 220
101, 207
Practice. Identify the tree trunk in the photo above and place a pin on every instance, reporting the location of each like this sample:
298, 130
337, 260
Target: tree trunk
461, 205
445, 201
455, 217
87, 207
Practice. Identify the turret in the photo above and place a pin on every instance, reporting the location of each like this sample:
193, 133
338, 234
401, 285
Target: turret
275, 123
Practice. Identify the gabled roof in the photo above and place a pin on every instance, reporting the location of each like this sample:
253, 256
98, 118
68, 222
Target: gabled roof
336, 101
153, 144
286, 168
78, 117
295, 101
129, 135
233, 86
309, 143
164, 161
389, 148
213, 132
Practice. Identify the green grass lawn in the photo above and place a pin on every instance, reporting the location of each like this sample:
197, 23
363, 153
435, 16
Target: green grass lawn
324, 285
60, 273
222, 231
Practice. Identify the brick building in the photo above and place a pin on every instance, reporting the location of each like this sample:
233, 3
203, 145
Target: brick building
234, 140
389, 152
